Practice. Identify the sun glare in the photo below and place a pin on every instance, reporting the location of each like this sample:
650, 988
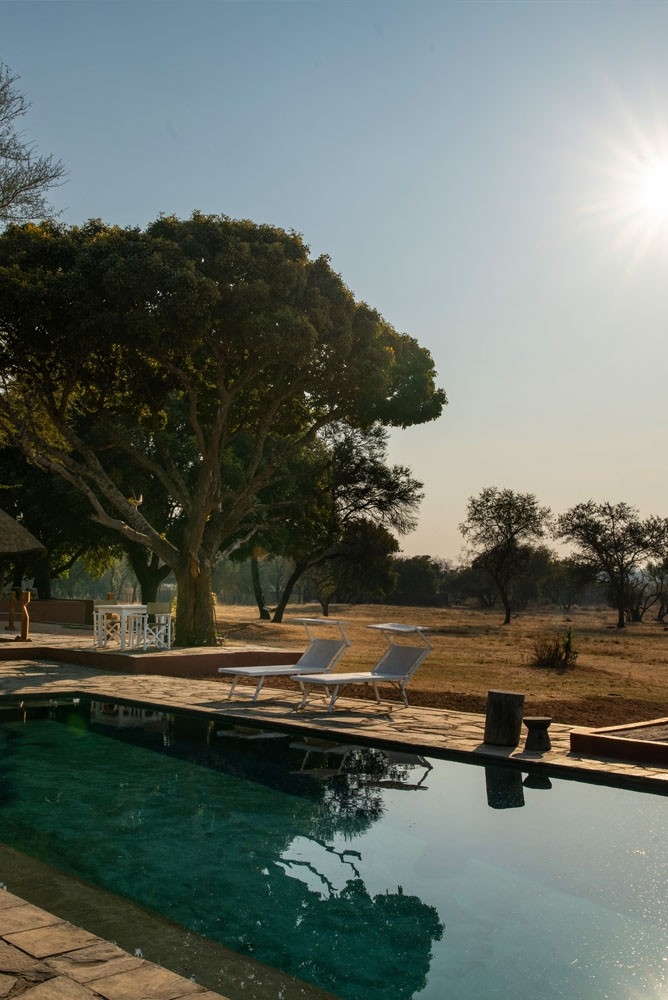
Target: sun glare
651, 190
624, 178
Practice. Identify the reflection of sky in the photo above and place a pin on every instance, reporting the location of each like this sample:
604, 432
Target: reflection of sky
563, 897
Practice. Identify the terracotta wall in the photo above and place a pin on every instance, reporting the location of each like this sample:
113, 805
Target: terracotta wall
57, 611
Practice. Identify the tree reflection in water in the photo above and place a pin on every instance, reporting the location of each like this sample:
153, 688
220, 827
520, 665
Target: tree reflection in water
234, 839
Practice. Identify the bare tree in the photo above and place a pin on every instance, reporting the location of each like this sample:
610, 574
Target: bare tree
25, 176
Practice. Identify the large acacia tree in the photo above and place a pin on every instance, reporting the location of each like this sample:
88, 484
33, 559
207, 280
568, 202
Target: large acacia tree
193, 357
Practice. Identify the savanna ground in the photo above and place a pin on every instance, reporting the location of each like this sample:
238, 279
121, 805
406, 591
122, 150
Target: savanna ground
621, 675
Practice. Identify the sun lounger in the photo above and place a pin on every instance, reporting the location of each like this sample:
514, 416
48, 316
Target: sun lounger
320, 656
396, 666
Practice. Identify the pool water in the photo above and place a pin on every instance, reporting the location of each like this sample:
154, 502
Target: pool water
369, 874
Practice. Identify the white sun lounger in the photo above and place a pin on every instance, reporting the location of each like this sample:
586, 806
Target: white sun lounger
320, 656
396, 666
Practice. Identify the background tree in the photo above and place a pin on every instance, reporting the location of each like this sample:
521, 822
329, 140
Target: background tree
614, 541
567, 580
196, 356
325, 506
500, 527
419, 581
360, 570
57, 515
25, 177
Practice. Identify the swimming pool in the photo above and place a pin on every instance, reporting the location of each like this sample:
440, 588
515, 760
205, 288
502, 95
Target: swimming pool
369, 874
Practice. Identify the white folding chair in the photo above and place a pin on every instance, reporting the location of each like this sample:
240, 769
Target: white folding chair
156, 627
106, 626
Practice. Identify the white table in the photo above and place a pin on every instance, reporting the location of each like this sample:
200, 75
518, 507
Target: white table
125, 613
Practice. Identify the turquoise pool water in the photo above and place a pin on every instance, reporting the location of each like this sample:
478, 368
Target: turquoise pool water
372, 876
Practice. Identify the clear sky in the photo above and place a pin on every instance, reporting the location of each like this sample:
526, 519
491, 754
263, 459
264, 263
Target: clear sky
492, 177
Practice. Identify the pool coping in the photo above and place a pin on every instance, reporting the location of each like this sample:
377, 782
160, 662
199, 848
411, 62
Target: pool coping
47, 958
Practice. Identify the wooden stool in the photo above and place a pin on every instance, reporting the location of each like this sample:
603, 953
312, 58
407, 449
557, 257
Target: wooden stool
538, 737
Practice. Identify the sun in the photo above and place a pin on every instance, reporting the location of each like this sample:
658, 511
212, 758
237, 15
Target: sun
649, 189
622, 178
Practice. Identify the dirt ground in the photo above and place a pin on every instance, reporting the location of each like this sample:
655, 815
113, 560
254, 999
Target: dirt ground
621, 675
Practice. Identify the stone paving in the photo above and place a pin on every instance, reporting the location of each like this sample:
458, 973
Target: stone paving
43, 957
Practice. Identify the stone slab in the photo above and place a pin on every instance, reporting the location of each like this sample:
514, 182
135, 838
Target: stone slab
149, 981
54, 939
100, 960
60, 988
13, 960
24, 916
7, 984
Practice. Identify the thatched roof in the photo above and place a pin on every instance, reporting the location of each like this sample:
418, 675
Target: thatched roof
15, 540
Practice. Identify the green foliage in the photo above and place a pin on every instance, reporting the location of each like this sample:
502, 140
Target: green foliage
501, 526
615, 541
554, 652
177, 376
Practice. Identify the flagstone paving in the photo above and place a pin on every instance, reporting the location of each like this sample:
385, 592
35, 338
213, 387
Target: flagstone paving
45, 958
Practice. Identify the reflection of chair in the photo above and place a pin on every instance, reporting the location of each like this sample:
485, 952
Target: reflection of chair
320, 656
106, 627
410, 760
155, 628
396, 666
323, 748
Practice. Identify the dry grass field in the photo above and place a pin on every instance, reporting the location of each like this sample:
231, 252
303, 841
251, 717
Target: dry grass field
621, 675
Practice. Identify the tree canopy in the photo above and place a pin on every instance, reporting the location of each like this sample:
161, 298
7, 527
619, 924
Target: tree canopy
192, 359
501, 526
613, 540
25, 176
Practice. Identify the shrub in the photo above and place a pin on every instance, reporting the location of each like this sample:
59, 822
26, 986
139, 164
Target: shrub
555, 652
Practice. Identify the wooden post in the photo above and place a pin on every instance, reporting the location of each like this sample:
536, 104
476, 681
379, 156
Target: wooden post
10, 626
503, 720
25, 617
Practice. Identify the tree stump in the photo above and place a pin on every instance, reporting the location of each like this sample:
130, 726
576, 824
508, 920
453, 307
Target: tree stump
503, 720
504, 787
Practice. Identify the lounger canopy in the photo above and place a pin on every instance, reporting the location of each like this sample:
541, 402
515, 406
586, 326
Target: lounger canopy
320, 656
395, 667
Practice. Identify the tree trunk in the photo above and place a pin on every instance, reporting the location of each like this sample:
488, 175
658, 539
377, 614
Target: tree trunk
146, 567
621, 617
287, 591
257, 590
505, 600
195, 624
43, 578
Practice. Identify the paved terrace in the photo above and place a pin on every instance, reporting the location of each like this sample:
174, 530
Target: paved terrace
45, 958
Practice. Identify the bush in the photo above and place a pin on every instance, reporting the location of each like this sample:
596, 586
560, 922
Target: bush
555, 652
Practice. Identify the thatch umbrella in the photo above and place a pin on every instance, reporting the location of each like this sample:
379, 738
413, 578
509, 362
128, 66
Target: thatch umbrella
15, 540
